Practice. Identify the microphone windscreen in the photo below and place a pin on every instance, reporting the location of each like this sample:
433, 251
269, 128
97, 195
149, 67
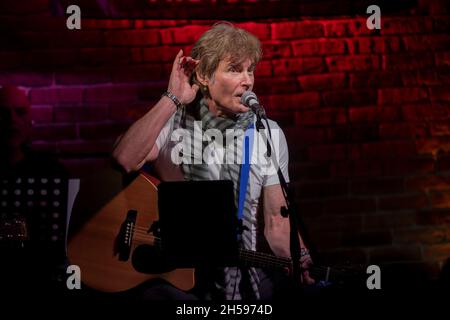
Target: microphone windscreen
247, 97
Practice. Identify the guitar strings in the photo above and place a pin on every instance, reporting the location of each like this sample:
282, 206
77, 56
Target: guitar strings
270, 260
142, 236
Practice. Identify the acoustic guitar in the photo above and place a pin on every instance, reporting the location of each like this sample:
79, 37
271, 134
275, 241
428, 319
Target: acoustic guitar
104, 240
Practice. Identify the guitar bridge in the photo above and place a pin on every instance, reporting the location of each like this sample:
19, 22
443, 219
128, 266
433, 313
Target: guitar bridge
125, 236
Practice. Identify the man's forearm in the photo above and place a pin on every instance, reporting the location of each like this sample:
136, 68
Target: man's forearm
133, 147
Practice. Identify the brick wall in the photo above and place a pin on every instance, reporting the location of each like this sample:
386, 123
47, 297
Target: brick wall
366, 113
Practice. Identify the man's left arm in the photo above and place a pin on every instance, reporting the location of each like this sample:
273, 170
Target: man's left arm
277, 228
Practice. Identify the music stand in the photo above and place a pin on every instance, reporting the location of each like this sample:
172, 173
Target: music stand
41, 201
198, 223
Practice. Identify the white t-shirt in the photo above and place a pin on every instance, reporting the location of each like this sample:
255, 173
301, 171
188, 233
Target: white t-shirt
169, 171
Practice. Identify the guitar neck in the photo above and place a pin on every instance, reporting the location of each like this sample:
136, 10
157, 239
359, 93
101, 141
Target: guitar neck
250, 258
256, 259
263, 260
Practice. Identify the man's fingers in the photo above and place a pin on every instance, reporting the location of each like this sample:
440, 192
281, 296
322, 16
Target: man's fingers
306, 279
176, 62
306, 262
188, 64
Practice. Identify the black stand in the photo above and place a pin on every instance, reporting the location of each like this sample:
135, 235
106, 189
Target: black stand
296, 224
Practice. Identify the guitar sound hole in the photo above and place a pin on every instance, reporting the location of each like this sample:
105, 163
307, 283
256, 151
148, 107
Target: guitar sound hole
150, 259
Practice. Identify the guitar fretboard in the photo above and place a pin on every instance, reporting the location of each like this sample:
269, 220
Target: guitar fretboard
250, 258
263, 260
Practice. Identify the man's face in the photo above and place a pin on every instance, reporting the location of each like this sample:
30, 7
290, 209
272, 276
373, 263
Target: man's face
229, 82
15, 122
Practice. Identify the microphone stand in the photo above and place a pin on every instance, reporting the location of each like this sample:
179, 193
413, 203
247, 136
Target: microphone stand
259, 114
296, 223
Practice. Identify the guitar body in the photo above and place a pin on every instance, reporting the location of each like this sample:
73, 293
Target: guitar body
95, 230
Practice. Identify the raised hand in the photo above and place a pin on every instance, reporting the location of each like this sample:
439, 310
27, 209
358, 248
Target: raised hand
179, 85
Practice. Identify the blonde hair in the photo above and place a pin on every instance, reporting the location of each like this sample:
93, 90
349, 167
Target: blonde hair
224, 40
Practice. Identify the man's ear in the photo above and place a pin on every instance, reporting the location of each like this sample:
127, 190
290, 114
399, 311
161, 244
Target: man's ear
203, 80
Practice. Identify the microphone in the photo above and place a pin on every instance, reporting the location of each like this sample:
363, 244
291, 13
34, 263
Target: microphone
250, 100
